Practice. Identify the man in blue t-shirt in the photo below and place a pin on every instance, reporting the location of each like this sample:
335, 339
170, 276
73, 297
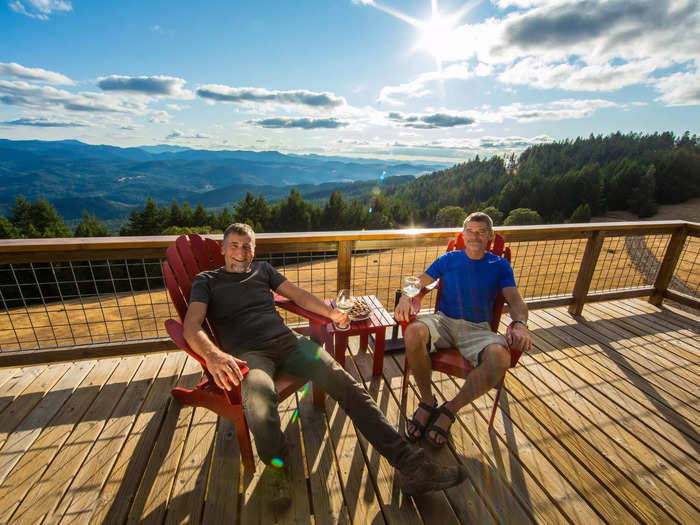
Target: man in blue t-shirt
471, 280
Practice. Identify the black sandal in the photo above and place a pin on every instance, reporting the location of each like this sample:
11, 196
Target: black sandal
442, 409
418, 427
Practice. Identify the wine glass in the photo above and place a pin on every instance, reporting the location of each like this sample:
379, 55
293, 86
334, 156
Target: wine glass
411, 286
344, 302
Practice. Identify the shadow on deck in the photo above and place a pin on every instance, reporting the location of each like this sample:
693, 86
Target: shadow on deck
599, 423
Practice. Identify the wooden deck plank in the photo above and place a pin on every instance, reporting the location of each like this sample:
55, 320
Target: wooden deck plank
625, 380
118, 492
221, 505
647, 336
684, 342
549, 496
30, 396
563, 424
636, 458
185, 505
29, 429
78, 503
46, 494
151, 500
324, 479
599, 334
661, 417
36, 460
19, 379
581, 337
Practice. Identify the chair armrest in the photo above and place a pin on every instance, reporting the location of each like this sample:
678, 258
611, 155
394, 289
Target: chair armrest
176, 332
291, 306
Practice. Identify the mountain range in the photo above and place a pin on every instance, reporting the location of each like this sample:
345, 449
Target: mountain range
108, 180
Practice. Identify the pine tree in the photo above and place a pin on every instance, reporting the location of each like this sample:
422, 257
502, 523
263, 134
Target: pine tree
90, 226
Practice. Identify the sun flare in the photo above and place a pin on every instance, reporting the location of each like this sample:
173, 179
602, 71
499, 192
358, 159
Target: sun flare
436, 35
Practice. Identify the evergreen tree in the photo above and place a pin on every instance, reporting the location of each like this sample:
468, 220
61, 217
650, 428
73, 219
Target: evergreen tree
37, 219
333, 215
641, 199
581, 214
200, 217
7, 230
149, 221
90, 226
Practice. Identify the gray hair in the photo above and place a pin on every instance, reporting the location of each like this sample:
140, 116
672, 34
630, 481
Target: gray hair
241, 229
479, 216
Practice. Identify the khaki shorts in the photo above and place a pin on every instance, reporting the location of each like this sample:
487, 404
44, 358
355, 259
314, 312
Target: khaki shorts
469, 338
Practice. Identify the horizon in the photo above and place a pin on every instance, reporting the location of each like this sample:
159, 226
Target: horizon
439, 81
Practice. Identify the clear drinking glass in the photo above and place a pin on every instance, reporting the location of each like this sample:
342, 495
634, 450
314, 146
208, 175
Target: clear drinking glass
411, 286
344, 302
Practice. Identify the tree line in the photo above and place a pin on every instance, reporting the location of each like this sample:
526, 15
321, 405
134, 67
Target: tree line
567, 181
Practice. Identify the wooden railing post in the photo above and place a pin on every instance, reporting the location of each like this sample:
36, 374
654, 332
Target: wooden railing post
344, 263
668, 265
585, 273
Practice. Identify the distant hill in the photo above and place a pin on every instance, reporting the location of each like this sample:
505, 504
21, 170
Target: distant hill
107, 179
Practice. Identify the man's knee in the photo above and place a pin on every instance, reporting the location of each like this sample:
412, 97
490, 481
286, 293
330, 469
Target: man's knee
258, 390
497, 359
416, 336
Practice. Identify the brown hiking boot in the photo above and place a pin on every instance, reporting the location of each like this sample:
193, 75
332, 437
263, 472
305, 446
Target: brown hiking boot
421, 474
276, 484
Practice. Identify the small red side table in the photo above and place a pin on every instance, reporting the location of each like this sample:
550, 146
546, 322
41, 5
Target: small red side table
377, 323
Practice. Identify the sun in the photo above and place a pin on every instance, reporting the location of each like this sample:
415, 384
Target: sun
436, 35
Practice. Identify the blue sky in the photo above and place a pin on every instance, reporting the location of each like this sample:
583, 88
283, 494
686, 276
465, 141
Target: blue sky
401, 79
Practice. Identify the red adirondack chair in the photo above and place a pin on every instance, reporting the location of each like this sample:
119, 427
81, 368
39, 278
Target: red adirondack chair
450, 361
184, 260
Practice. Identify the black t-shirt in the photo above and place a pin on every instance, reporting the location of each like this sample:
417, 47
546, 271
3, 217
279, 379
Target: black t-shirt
241, 306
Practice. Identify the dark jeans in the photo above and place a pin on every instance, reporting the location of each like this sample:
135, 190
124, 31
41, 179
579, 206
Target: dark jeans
305, 358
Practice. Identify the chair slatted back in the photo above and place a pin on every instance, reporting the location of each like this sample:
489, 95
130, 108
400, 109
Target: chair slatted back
497, 248
184, 260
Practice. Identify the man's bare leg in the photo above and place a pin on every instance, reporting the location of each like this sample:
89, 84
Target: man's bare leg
418, 362
495, 361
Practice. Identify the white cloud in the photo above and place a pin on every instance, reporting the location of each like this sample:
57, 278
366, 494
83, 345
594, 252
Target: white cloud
679, 89
179, 134
418, 87
160, 117
39, 9
19, 93
590, 45
12, 69
152, 86
576, 77
45, 122
248, 95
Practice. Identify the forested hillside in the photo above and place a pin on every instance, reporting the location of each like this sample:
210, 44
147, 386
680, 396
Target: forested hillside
550, 183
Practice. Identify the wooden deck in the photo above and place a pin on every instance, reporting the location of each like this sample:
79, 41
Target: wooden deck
600, 423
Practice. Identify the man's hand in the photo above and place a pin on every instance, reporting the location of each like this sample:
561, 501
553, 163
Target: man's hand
338, 317
225, 369
518, 337
404, 310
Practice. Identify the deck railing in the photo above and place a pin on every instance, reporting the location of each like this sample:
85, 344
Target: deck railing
76, 298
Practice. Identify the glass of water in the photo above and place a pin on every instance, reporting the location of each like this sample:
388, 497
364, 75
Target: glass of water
411, 286
344, 302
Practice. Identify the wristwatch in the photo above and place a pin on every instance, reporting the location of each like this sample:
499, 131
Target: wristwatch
524, 323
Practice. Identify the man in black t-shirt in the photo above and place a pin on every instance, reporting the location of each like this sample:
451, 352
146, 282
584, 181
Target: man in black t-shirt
237, 299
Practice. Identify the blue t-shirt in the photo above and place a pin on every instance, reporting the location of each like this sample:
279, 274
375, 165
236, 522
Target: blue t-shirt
470, 287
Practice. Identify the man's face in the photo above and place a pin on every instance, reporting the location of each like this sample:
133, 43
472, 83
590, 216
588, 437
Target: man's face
238, 251
476, 237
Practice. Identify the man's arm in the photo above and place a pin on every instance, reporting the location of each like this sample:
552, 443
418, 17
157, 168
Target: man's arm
310, 302
518, 336
404, 310
222, 366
